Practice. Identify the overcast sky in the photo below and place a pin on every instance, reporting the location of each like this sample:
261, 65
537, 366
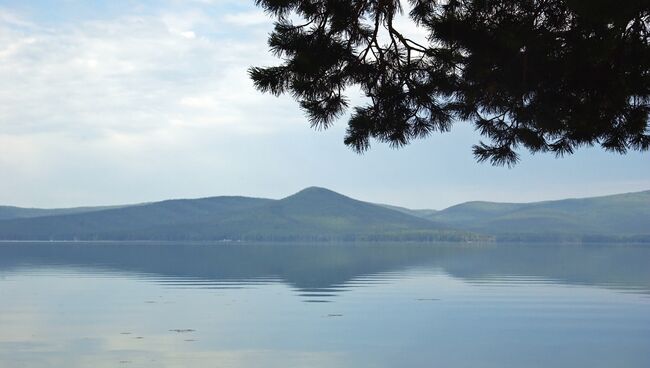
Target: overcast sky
108, 102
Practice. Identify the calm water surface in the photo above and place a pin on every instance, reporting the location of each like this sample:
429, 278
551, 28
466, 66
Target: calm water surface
398, 305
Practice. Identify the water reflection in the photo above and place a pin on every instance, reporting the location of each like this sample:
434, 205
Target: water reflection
362, 306
324, 271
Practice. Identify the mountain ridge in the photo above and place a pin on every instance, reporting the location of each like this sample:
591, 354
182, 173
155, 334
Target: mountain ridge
311, 214
624, 216
317, 213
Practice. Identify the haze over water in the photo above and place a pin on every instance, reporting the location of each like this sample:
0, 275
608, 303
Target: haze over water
316, 305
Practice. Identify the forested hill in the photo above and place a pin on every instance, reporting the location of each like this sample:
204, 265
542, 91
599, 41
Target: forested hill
11, 212
311, 214
615, 217
317, 214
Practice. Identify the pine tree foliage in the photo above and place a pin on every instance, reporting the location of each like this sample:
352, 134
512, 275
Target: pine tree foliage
544, 75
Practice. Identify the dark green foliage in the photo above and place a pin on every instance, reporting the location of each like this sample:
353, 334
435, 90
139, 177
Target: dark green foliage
546, 75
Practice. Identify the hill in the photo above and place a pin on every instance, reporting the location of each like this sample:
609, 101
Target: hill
11, 212
318, 214
312, 214
424, 213
321, 214
615, 217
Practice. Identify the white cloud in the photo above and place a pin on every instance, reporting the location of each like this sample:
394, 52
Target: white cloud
188, 34
184, 22
136, 95
126, 75
250, 18
9, 17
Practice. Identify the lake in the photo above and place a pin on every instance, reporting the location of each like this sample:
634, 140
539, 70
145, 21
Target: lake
323, 305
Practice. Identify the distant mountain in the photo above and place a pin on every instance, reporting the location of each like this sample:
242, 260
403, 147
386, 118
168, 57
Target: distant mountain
424, 213
317, 213
322, 215
129, 222
10, 212
615, 217
312, 214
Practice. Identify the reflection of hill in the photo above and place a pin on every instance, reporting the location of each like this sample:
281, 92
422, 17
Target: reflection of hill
314, 267
600, 265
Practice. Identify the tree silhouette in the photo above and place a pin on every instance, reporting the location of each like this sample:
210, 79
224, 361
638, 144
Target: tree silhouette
546, 75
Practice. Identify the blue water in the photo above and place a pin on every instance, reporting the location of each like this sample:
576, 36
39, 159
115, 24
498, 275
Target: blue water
314, 305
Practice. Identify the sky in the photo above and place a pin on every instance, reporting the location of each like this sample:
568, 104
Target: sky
113, 102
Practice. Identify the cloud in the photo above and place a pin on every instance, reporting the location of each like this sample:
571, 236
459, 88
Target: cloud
250, 18
186, 21
132, 96
131, 74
